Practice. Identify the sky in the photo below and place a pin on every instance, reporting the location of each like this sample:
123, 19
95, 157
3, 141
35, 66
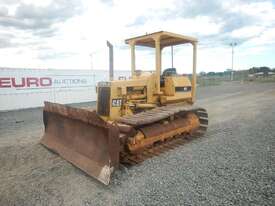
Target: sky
72, 34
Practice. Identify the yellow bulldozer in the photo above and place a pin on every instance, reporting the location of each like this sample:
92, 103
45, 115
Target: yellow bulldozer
135, 118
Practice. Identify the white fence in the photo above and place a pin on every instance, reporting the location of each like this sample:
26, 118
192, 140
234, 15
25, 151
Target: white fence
27, 88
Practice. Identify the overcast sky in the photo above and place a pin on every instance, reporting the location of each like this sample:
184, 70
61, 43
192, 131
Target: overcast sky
64, 33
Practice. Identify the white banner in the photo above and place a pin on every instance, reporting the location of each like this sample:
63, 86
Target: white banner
26, 88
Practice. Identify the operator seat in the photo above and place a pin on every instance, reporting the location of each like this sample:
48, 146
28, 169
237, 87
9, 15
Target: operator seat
166, 73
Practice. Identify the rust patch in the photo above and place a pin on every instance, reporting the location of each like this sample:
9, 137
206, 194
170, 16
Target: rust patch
83, 138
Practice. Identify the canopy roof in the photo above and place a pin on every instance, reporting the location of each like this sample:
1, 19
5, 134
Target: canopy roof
166, 39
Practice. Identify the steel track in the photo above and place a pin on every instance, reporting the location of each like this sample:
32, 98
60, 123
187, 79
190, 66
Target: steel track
169, 144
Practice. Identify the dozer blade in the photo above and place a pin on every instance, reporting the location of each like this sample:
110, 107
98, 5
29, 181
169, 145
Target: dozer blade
81, 137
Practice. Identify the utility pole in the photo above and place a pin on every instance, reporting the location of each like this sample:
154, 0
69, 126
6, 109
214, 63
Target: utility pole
233, 44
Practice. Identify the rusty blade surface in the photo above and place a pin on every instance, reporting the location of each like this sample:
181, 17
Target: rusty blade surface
82, 138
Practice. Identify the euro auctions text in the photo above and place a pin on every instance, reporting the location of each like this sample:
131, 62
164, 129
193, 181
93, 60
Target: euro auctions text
36, 82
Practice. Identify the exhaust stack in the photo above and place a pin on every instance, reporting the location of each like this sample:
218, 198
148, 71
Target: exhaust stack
111, 61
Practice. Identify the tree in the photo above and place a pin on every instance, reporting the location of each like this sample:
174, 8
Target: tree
263, 70
211, 74
202, 73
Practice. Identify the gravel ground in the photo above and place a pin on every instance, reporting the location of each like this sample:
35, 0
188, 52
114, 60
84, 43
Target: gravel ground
233, 164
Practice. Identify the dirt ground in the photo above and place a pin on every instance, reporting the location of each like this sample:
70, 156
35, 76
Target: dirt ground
233, 164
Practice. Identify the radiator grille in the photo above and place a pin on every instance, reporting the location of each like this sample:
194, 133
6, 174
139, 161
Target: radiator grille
103, 101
